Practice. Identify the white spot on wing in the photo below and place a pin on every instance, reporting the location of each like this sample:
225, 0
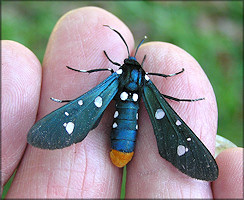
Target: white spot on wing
116, 114
98, 101
136, 115
115, 125
66, 113
137, 127
80, 102
120, 71
181, 150
188, 139
178, 123
69, 127
135, 97
123, 96
159, 114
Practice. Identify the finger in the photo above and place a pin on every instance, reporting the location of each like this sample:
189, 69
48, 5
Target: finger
82, 170
21, 81
149, 175
229, 185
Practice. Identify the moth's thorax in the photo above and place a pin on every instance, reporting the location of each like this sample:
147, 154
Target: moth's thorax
131, 78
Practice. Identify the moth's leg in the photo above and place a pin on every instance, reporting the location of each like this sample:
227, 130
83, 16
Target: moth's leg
115, 63
169, 97
92, 70
165, 75
176, 99
60, 101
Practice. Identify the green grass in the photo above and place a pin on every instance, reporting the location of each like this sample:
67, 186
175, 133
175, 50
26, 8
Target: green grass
122, 195
210, 31
7, 185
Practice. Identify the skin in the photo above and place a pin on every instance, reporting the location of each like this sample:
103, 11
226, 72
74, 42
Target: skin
84, 170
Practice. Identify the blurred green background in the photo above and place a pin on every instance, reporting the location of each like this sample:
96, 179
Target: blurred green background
210, 31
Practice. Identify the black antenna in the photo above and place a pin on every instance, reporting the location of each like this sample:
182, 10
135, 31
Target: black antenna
121, 38
145, 37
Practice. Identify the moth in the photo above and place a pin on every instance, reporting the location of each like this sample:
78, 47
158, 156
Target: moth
175, 140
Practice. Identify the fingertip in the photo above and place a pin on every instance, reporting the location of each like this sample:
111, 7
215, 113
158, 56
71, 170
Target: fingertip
78, 40
230, 181
193, 83
168, 58
21, 83
80, 35
200, 116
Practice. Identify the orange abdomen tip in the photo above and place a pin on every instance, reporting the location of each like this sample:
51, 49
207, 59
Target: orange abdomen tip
120, 159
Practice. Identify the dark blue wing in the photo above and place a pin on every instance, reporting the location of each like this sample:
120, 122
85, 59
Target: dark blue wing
72, 122
176, 141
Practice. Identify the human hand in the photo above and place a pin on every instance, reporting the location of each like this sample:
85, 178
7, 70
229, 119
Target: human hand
84, 170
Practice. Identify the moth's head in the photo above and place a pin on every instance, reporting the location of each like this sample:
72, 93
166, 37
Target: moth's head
131, 61
132, 58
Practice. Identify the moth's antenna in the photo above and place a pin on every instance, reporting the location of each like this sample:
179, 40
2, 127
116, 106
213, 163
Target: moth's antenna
145, 37
120, 37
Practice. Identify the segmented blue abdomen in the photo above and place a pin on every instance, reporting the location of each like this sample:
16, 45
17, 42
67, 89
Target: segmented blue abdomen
125, 126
